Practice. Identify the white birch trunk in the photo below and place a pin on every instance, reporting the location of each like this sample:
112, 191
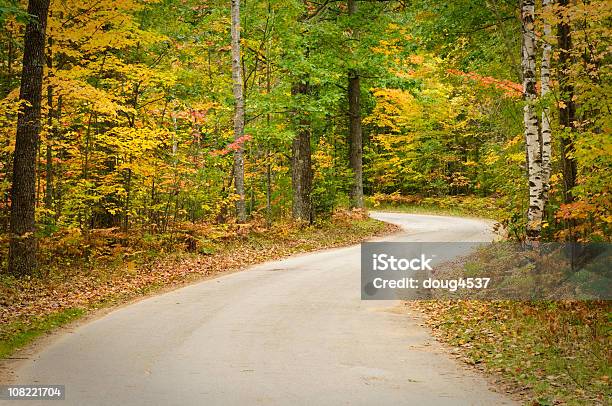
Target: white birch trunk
532, 139
238, 112
545, 79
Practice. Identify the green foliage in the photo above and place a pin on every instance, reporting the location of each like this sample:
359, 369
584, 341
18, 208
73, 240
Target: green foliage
471, 35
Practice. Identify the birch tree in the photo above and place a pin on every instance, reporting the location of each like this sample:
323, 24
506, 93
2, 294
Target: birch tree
530, 119
238, 113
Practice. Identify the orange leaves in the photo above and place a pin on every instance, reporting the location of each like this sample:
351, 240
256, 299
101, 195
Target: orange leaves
590, 218
510, 89
578, 211
234, 146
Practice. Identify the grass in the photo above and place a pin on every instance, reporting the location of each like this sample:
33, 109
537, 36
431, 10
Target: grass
424, 209
468, 206
18, 334
118, 268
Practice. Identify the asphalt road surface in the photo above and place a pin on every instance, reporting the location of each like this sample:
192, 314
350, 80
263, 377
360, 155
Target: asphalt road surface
290, 332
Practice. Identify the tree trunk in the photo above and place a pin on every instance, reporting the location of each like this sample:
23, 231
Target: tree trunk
356, 139
49, 152
268, 155
22, 249
545, 80
567, 106
238, 113
128, 189
532, 139
50, 132
355, 131
57, 187
301, 166
268, 187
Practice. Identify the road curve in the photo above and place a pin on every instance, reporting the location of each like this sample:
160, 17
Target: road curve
290, 332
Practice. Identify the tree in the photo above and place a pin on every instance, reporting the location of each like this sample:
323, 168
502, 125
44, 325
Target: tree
567, 105
534, 151
22, 250
301, 153
355, 130
238, 112
301, 166
545, 86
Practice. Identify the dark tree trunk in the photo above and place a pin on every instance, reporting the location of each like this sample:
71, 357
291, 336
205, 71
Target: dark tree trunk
128, 189
268, 188
567, 109
355, 131
50, 116
356, 139
268, 157
22, 249
57, 186
49, 154
301, 166
238, 89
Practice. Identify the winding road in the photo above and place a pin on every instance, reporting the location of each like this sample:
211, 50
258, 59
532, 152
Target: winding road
290, 332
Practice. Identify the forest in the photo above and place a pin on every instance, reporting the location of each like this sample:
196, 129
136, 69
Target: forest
132, 130
156, 113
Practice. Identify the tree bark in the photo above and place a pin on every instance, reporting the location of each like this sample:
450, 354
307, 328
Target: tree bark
355, 130
268, 155
301, 165
128, 189
238, 113
23, 245
356, 138
50, 133
57, 186
545, 80
567, 106
49, 152
530, 119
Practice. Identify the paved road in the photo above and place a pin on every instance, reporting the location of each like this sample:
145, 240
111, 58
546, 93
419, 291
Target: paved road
291, 332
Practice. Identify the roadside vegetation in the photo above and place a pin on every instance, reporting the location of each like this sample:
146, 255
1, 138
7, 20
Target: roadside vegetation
547, 353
